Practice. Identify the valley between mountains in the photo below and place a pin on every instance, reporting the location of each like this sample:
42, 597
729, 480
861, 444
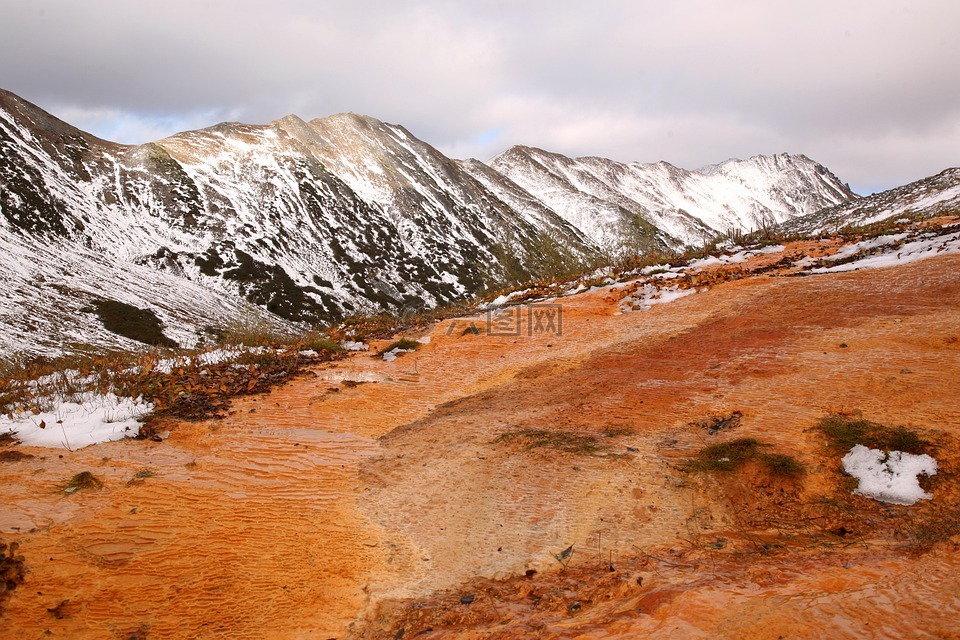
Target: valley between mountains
298, 222
314, 379
540, 484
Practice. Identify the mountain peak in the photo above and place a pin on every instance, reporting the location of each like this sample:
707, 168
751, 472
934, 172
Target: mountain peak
348, 119
315, 220
292, 120
687, 207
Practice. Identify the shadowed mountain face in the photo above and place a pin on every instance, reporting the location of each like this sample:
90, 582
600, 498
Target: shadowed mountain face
311, 221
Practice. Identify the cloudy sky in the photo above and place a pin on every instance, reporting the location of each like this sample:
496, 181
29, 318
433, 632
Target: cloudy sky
870, 89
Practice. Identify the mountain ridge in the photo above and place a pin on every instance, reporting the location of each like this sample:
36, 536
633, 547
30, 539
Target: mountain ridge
311, 221
689, 206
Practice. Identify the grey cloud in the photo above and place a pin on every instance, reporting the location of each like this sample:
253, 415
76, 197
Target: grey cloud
866, 88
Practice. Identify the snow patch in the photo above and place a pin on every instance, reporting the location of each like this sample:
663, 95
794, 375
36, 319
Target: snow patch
93, 418
499, 301
391, 355
735, 258
889, 476
648, 295
215, 356
891, 255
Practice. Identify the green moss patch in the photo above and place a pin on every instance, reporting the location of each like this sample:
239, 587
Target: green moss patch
845, 431
730, 456
726, 456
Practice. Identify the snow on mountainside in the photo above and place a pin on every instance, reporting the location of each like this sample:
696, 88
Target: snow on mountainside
50, 290
297, 221
435, 204
610, 200
929, 197
253, 215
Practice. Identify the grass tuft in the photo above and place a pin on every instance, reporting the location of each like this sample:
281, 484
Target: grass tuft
783, 465
320, 344
403, 343
252, 333
730, 456
81, 482
726, 456
574, 443
140, 476
845, 431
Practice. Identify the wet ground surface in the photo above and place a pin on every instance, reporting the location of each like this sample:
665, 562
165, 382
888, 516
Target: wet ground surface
370, 498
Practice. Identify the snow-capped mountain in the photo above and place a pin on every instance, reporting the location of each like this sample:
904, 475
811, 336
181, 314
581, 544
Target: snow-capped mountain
311, 221
614, 203
925, 198
258, 211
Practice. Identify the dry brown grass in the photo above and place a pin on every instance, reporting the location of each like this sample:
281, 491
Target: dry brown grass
186, 388
573, 443
83, 481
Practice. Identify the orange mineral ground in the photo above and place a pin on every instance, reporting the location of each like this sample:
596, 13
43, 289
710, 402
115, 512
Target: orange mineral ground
435, 496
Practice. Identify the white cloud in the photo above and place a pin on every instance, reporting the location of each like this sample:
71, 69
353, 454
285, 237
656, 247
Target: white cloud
134, 128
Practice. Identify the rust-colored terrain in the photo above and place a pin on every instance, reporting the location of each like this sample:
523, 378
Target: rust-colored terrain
534, 485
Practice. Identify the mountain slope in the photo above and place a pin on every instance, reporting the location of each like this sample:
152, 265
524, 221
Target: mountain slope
254, 212
609, 200
297, 221
932, 196
437, 206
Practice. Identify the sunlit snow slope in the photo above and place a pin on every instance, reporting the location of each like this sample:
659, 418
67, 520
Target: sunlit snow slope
613, 202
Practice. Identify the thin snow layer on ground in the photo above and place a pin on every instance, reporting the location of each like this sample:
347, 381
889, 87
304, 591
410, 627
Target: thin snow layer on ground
649, 294
889, 477
351, 345
216, 356
391, 355
646, 271
72, 425
865, 245
918, 204
919, 249
740, 256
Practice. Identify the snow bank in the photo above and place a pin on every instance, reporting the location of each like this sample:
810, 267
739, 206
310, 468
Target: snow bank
735, 258
889, 477
217, 356
72, 425
391, 355
926, 246
648, 295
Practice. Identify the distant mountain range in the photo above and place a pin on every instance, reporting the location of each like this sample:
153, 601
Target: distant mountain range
312, 221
